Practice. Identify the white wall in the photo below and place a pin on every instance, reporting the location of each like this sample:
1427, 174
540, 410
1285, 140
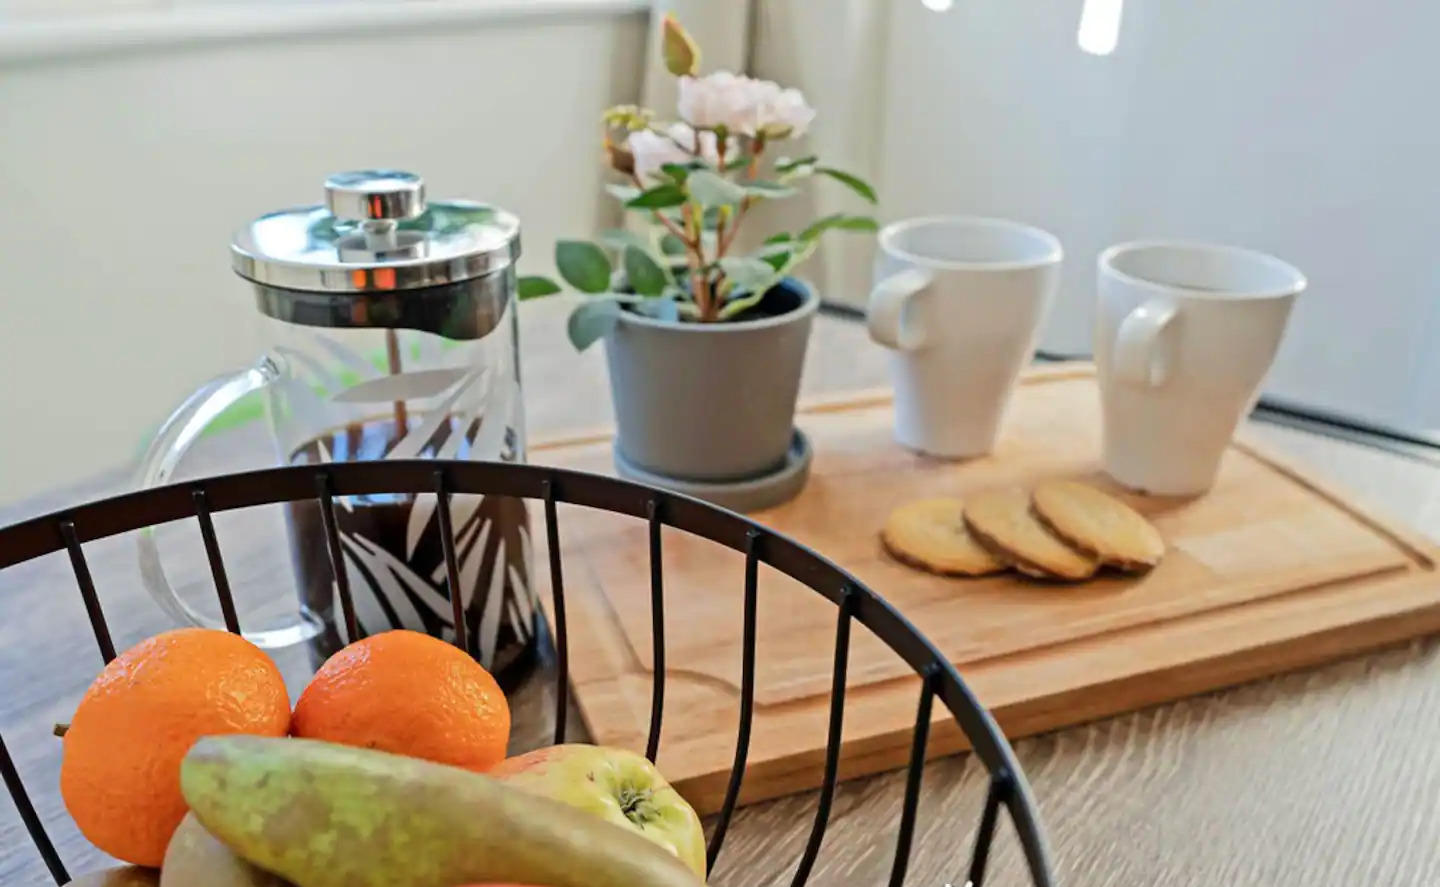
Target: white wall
1300, 127
124, 172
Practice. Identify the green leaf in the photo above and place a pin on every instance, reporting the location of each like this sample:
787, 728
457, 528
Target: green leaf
583, 265
739, 161
679, 172
709, 189
782, 237
859, 223
659, 197
747, 273
854, 183
619, 238
645, 275
736, 306
777, 256
592, 320
535, 287
786, 164
841, 221
671, 245
623, 192
769, 190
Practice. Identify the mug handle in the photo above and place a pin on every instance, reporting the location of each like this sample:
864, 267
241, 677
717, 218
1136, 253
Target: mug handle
1139, 357
171, 443
888, 299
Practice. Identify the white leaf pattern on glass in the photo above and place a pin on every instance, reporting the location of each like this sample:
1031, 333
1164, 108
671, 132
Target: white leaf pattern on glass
490, 621
463, 540
493, 423
381, 578
400, 386
522, 625
424, 505
371, 581
434, 601
368, 612
526, 548
524, 597
412, 443
470, 564
487, 445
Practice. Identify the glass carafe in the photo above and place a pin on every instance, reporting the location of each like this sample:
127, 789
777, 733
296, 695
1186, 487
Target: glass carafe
390, 333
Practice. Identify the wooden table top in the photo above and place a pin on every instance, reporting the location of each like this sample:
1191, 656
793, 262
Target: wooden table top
1330, 776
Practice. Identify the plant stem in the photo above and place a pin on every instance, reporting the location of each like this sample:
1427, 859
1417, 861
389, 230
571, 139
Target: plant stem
751, 170
392, 356
666, 223
699, 279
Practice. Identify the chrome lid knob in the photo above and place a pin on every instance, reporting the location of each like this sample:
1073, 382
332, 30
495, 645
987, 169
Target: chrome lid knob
374, 194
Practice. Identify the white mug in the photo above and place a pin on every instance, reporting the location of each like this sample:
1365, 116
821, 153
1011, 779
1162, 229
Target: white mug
1184, 335
960, 301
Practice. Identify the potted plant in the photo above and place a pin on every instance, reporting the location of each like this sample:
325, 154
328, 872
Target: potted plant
704, 344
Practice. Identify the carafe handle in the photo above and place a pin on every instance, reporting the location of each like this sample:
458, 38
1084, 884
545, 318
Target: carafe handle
167, 450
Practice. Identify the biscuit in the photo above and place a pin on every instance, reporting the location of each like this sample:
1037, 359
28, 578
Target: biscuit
930, 534
1099, 525
1002, 521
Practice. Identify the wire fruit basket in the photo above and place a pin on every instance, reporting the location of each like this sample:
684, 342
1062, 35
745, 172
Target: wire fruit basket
70, 529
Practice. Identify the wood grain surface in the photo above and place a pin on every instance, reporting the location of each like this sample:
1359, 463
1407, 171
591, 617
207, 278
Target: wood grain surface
1327, 776
1268, 571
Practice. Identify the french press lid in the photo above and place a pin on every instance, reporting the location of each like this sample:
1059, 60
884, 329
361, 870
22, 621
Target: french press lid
377, 254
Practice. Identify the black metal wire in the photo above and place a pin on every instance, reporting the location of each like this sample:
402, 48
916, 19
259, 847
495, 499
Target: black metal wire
913, 777
557, 603
323, 486
747, 699
657, 631
87, 590
71, 528
217, 563
999, 792
30, 818
832, 741
452, 564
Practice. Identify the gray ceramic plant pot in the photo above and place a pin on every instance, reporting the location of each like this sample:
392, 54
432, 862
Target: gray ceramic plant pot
709, 408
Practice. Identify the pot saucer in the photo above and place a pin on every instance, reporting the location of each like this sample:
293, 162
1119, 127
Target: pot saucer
745, 494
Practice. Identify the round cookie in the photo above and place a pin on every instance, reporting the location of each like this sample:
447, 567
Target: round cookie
930, 534
1099, 525
1002, 521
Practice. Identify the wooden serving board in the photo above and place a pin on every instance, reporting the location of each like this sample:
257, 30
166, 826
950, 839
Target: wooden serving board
1269, 571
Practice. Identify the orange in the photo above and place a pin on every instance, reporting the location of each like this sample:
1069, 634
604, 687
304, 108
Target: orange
120, 775
410, 694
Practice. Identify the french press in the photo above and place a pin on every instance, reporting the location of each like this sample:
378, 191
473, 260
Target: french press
391, 334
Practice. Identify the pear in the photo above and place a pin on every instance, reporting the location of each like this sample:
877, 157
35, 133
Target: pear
326, 815
196, 858
124, 876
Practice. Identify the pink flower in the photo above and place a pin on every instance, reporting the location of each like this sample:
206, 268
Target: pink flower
718, 99
743, 105
653, 150
782, 113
